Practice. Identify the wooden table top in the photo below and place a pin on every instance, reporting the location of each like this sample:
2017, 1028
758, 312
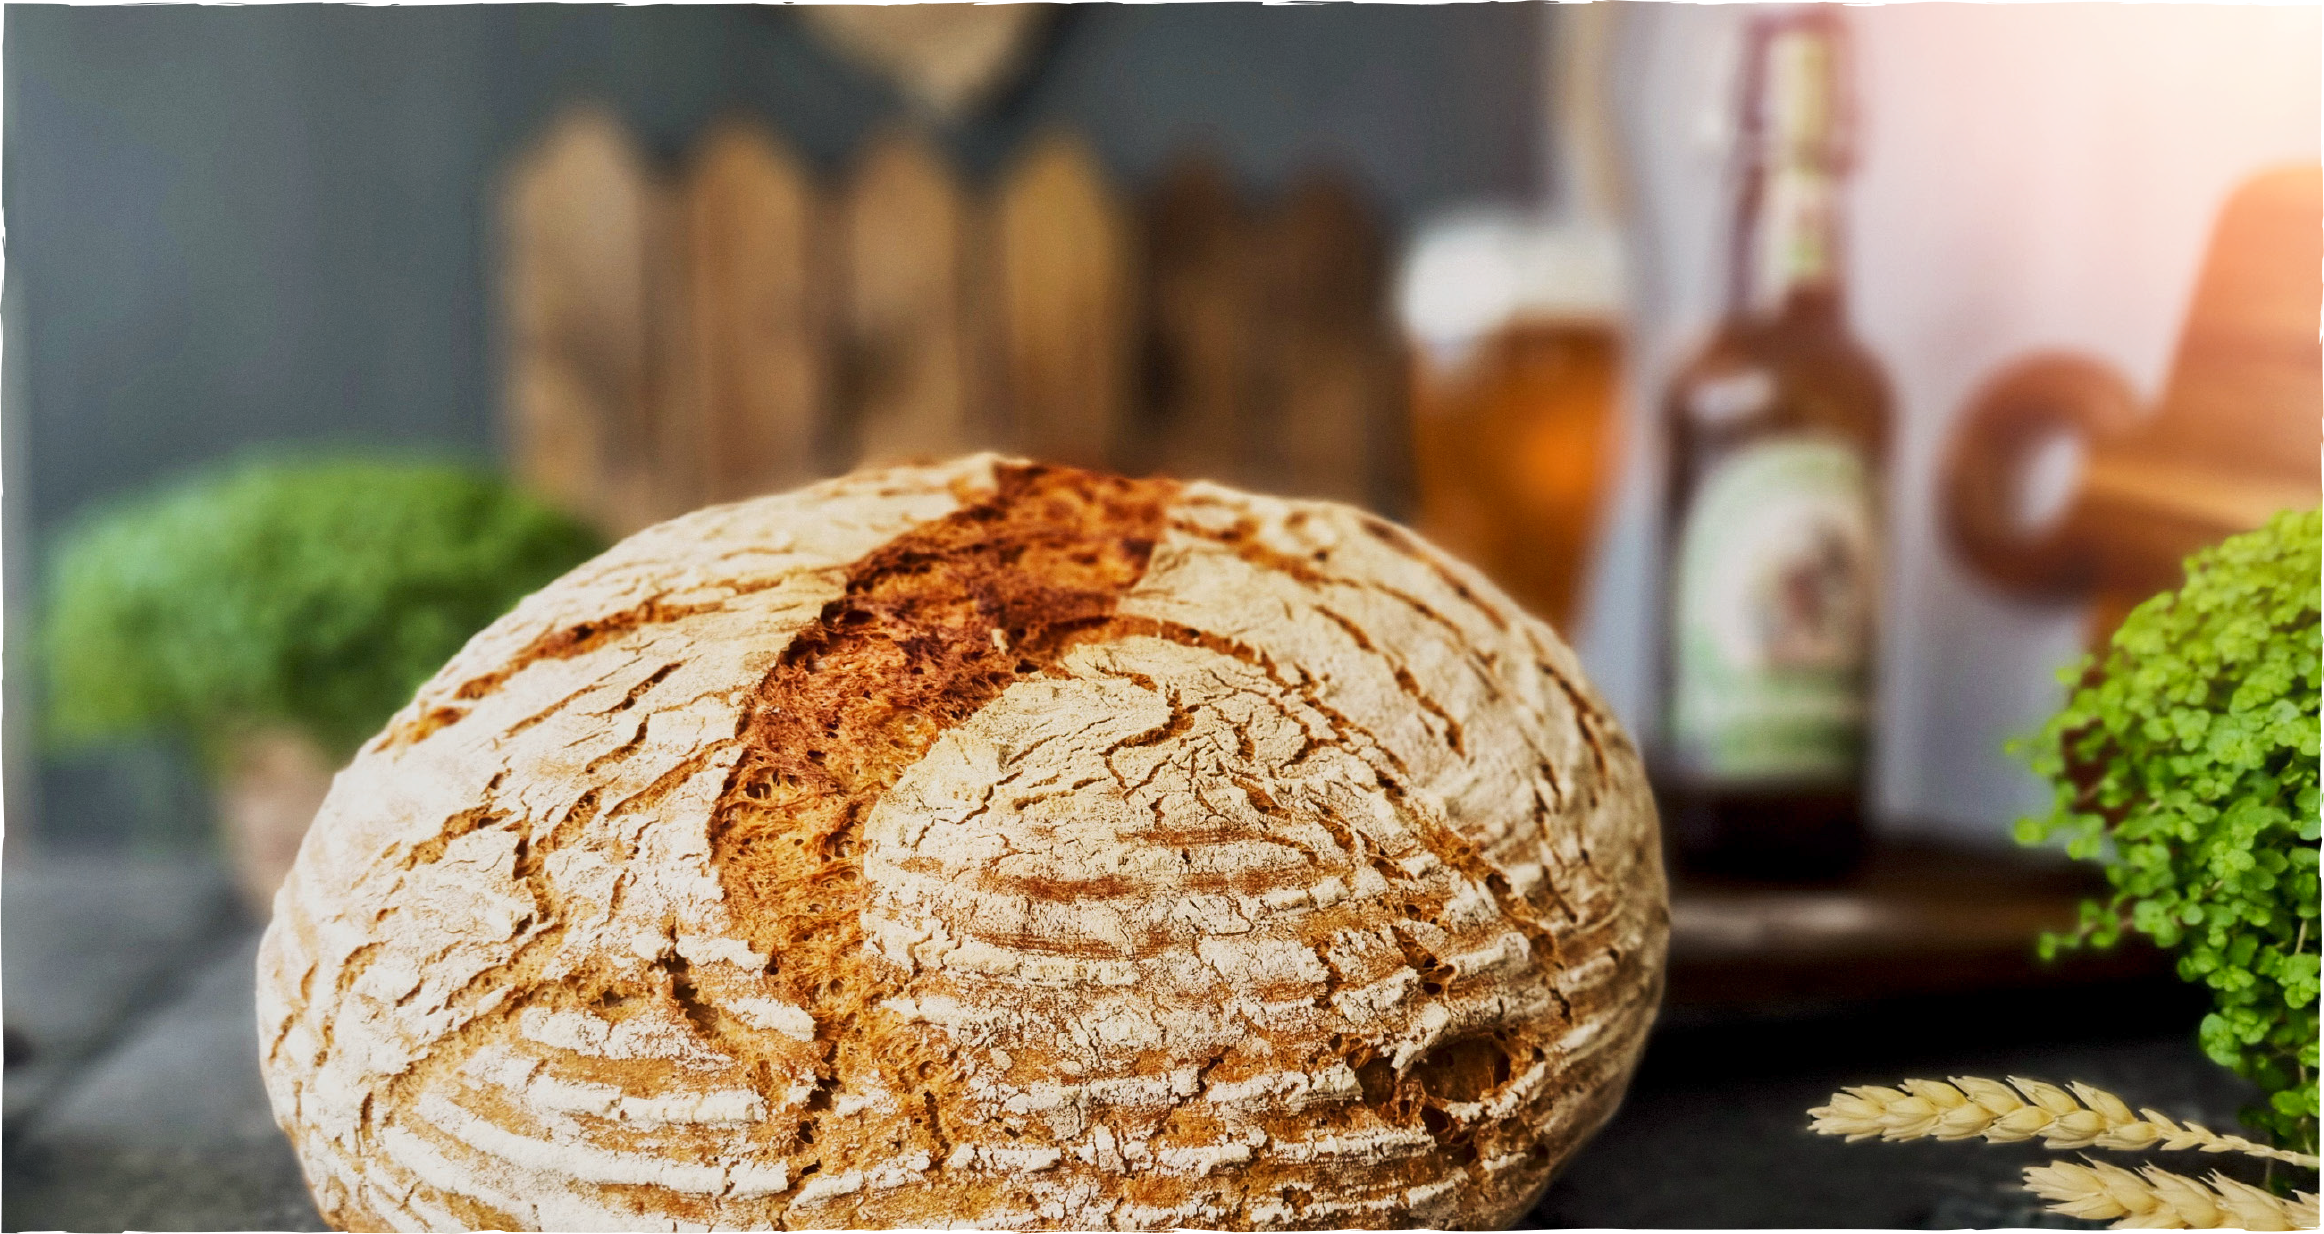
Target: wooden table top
1915, 919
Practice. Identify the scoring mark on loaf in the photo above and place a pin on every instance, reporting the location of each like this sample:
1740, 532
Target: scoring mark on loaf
932, 627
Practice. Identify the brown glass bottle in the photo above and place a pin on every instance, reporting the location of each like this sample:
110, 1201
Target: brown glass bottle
1778, 430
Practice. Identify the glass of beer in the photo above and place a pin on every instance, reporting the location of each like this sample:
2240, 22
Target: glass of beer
1517, 336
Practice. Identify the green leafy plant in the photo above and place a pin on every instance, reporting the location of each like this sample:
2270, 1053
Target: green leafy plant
2186, 762
312, 594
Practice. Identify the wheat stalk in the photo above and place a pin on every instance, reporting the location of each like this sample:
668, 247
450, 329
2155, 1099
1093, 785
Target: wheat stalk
1970, 1107
2156, 1199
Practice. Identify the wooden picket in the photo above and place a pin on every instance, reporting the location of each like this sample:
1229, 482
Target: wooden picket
735, 328
1202, 316
909, 333
1064, 275
586, 229
1329, 367
755, 265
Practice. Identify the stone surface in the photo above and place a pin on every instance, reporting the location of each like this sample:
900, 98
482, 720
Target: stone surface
85, 942
1714, 1130
169, 1128
187, 1077
106, 1187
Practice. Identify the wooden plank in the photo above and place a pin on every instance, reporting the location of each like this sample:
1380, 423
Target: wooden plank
1065, 296
1199, 352
584, 223
1330, 376
905, 331
1914, 920
758, 369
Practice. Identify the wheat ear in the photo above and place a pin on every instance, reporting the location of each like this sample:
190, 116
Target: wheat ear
2156, 1199
1969, 1107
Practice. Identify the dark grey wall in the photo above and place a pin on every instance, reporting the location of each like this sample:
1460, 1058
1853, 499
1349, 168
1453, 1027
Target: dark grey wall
232, 226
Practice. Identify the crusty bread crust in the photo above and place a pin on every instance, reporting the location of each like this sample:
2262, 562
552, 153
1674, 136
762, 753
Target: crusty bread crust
975, 844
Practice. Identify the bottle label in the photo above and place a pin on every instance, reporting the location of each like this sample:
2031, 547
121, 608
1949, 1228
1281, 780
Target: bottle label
1799, 214
1774, 601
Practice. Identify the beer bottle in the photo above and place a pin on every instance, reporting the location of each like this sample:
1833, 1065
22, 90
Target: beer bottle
1778, 429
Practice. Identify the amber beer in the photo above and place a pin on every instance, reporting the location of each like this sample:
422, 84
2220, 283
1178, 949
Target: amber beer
1778, 430
1511, 449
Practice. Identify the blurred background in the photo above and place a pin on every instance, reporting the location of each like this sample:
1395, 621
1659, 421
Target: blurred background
1450, 262
245, 229
239, 230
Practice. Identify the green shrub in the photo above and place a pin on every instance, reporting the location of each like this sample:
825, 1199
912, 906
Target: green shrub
317, 594
2186, 762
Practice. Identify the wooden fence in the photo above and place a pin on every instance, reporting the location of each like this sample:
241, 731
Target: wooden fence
737, 325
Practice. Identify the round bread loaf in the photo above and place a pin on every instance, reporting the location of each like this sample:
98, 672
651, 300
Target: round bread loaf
984, 843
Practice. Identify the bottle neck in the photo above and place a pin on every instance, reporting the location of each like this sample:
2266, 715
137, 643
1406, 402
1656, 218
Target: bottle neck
1787, 259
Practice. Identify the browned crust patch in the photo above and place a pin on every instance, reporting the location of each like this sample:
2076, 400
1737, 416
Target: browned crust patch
932, 626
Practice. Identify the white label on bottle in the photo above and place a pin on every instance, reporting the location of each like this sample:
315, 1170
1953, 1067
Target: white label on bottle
1799, 212
1774, 615
1731, 398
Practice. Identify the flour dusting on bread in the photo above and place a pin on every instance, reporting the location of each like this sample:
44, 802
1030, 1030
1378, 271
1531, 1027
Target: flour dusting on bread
985, 843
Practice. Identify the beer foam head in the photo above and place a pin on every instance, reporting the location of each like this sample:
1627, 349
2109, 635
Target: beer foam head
1468, 275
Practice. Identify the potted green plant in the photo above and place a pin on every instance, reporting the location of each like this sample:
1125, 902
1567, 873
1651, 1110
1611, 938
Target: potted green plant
2185, 763
275, 613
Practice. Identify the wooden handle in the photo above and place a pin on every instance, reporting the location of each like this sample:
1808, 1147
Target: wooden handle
2050, 409
2232, 441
